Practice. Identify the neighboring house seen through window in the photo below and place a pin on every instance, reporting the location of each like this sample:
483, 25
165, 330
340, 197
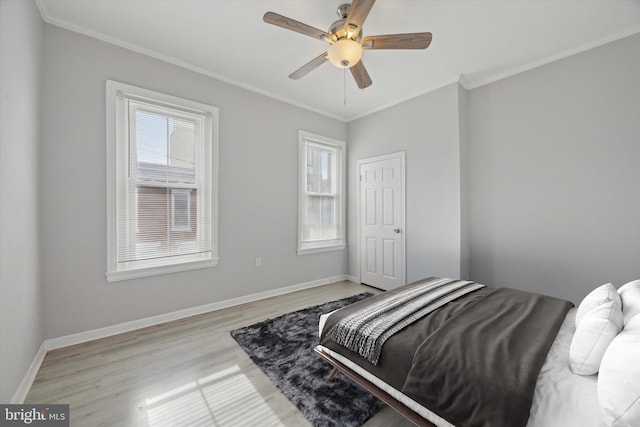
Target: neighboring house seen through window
162, 155
322, 195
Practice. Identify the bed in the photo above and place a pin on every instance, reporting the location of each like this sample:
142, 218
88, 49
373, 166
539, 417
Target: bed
421, 390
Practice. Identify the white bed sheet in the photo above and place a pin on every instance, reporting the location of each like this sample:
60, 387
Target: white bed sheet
561, 398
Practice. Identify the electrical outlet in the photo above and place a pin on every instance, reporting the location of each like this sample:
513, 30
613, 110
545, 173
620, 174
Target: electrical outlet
258, 262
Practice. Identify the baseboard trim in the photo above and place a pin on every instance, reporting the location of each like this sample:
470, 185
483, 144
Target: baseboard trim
354, 279
82, 337
23, 389
54, 343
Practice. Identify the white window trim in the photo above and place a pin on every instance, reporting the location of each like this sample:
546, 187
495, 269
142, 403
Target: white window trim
113, 88
304, 138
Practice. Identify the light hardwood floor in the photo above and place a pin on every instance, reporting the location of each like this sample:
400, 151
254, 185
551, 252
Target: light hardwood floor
182, 373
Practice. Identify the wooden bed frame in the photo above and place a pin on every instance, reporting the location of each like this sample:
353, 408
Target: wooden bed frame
404, 410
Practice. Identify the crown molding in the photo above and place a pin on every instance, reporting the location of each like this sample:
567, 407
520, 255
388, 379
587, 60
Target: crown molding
463, 79
172, 60
430, 89
473, 84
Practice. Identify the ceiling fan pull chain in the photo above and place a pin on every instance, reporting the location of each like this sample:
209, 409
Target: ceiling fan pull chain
344, 85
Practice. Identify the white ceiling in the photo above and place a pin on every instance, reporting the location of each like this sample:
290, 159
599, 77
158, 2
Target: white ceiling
474, 41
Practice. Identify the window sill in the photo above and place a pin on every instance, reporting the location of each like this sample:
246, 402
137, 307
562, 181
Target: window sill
116, 276
321, 249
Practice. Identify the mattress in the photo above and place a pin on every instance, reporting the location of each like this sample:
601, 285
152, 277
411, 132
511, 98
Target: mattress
561, 398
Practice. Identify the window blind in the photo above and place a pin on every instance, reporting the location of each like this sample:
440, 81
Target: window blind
163, 201
322, 194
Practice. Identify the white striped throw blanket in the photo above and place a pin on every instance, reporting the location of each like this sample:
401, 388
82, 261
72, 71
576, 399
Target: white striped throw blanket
365, 331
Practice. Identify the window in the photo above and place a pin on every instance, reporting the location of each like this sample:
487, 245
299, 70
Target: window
161, 183
322, 194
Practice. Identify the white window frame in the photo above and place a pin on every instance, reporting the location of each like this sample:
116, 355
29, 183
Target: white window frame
208, 156
306, 140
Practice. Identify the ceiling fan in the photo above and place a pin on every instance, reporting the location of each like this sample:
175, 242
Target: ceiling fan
346, 41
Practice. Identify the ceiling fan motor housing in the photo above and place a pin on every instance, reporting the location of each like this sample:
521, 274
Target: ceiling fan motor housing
337, 29
343, 10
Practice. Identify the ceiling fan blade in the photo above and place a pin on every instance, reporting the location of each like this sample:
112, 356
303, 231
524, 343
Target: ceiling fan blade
309, 66
293, 25
397, 41
357, 14
360, 75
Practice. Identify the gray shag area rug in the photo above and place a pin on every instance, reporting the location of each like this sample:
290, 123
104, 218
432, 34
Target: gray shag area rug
283, 349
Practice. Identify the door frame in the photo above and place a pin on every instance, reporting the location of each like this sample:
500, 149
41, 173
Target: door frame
403, 223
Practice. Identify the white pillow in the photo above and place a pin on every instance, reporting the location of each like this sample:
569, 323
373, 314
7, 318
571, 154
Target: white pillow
630, 296
596, 297
592, 337
619, 378
633, 324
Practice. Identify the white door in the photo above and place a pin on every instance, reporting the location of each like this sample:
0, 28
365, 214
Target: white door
381, 221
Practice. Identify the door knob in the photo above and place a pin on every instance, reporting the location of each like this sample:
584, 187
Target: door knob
396, 230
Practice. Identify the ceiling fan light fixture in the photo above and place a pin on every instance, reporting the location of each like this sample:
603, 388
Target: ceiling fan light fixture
345, 53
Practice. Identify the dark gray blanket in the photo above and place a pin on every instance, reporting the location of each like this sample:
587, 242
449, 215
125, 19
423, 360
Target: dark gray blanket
397, 353
474, 361
480, 367
367, 330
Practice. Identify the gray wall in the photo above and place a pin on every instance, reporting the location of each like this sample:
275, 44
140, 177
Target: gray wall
258, 190
554, 176
428, 129
20, 302
463, 130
